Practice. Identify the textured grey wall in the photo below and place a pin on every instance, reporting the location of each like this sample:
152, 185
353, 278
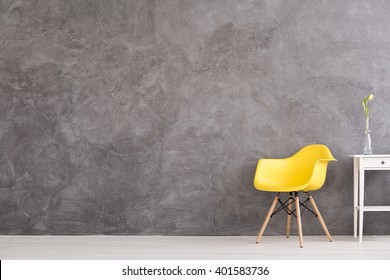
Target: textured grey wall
148, 117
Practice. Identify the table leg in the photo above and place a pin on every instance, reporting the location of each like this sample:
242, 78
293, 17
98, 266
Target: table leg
361, 199
355, 194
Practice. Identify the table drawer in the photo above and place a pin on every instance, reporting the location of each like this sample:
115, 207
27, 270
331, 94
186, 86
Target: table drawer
377, 162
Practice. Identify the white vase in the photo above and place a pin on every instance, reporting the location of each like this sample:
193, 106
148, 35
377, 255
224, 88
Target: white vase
367, 150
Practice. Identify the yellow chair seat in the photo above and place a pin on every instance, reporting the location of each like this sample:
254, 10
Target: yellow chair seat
303, 171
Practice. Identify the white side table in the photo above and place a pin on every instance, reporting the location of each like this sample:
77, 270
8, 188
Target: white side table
361, 163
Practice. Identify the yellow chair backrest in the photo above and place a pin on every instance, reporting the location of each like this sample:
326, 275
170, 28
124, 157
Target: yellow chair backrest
305, 170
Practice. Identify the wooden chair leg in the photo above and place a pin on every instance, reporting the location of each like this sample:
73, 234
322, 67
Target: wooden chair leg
271, 210
290, 203
298, 211
313, 204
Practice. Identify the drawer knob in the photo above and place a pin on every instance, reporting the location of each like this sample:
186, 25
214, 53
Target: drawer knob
383, 162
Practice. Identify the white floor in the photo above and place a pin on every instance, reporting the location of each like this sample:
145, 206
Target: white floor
191, 247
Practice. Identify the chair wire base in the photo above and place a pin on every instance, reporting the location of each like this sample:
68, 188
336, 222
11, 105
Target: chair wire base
284, 205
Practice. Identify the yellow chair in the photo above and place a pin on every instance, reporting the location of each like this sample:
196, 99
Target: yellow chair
304, 171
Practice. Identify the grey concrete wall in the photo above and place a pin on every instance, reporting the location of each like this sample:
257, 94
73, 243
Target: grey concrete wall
148, 117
